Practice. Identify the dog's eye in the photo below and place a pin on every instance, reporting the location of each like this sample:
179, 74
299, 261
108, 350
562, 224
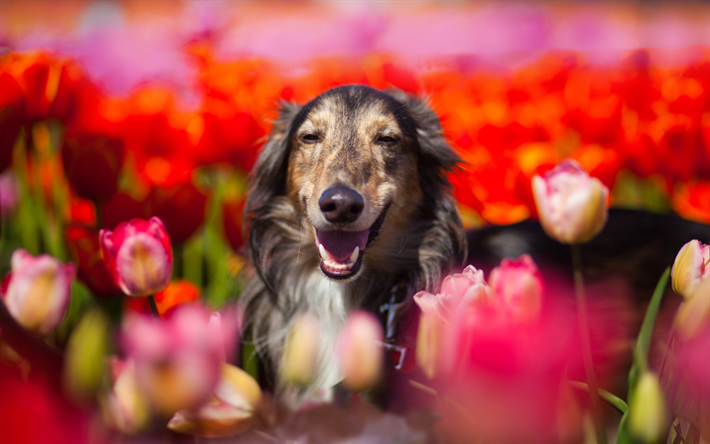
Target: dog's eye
310, 138
387, 140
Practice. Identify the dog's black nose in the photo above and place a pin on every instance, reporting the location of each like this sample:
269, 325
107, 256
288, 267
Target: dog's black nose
341, 205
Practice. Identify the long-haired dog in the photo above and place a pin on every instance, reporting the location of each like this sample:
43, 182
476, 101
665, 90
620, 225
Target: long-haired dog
349, 198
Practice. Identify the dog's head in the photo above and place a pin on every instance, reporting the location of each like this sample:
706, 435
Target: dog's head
353, 162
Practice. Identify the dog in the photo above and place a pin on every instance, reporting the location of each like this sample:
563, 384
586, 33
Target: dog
349, 199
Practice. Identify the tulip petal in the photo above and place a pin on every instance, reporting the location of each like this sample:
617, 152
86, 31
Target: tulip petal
238, 389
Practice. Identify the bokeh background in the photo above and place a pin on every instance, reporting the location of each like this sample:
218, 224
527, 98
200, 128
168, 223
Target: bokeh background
112, 110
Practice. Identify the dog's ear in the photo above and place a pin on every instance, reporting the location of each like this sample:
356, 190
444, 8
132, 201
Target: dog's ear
268, 178
444, 246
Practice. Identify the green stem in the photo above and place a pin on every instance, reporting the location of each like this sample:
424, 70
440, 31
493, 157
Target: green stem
153, 307
609, 397
586, 343
643, 344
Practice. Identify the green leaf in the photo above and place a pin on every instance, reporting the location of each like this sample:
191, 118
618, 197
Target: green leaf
643, 343
609, 397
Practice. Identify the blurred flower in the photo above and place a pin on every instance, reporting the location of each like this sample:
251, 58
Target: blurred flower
359, 351
517, 284
38, 292
92, 164
300, 356
122, 207
428, 350
648, 415
32, 411
12, 114
690, 268
571, 205
125, 407
85, 248
694, 312
231, 410
181, 208
176, 293
138, 255
690, 200
9, 194
84, 358
232, 215
690, 376
177, 360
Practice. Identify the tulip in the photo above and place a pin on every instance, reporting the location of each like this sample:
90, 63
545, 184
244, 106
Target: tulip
92, 163
571, 205
298, 364
38, 292
648, 416
181, 208
517, 284
83, 366
359, 350
85, 248
230, 411
428, 349
691, 268
125, 408
177, 359
138, 255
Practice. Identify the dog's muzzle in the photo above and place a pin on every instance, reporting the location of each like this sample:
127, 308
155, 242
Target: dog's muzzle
341, 250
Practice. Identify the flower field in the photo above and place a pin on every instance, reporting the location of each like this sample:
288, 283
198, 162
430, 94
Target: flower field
127, 134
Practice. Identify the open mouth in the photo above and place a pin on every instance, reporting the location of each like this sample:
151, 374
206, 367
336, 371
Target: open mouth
341, 251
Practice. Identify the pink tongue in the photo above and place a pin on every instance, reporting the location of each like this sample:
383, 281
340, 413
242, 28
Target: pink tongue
340, 244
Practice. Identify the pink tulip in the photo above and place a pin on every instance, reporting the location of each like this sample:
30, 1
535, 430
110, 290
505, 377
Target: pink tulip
138, 255
359, 351
177, 360
517, 285
38, 292
571, 205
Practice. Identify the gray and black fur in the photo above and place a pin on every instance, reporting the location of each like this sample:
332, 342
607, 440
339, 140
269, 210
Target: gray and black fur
386, 146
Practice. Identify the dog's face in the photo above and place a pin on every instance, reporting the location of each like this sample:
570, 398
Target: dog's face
352, 171
344, 179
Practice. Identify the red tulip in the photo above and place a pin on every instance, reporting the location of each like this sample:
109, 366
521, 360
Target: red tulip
138, 255
122, 207
181, 208
12, 114
92, 164
85, 248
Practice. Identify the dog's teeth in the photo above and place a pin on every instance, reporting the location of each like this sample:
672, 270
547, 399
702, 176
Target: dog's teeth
353, 257
323, 253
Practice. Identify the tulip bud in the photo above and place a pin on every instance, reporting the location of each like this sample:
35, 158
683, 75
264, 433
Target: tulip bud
138, 255
39, 291
647, 412
230, 412
691, 267
125, 408
571, 205
517, 284
84, 363
299, 361
359, 351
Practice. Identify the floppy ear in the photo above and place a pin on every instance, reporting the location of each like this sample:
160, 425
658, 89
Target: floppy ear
268, 178
444, 245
